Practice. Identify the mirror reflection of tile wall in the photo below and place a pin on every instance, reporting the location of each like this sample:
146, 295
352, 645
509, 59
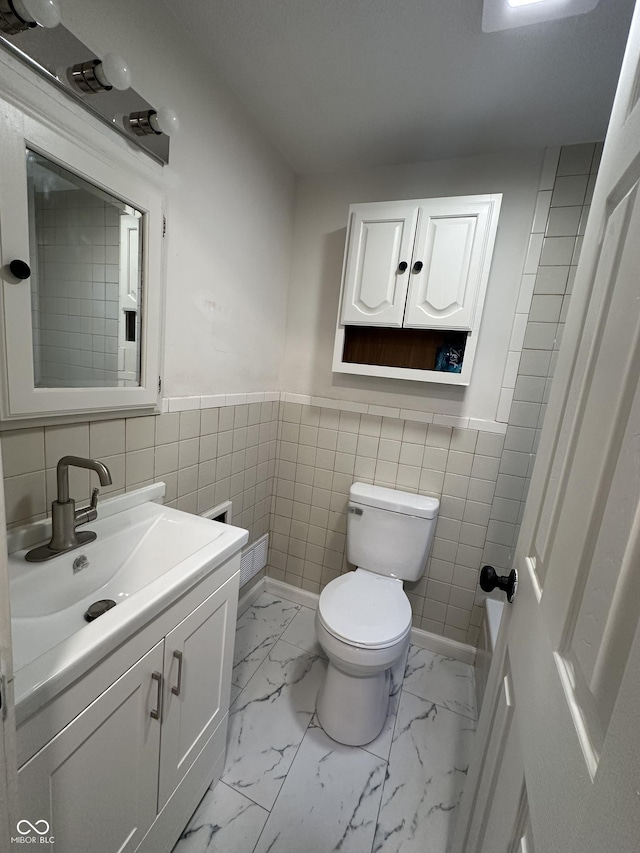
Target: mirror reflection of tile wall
76, 293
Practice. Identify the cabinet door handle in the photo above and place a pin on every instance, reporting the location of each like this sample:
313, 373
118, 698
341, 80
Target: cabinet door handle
176, 690
155, 713
417, 266
402, 266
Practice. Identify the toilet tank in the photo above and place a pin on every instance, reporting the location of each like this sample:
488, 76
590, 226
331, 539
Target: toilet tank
390, 532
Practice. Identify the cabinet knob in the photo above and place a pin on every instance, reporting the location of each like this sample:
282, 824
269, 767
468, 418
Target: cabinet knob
20, 269
417, 266
402, 266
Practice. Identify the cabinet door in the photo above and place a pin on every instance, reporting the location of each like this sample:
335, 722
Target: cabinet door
451, 261
197, 666
380, 240
96, 782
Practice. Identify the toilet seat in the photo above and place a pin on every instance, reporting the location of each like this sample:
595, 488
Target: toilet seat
365, 610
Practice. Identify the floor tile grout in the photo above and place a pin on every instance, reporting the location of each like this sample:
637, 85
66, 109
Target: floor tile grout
440, 705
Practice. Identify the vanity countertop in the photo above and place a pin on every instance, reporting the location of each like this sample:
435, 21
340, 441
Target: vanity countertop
146, 556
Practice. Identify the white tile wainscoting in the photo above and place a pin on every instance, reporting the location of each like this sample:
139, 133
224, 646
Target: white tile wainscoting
286, 786
322, 451
287, 468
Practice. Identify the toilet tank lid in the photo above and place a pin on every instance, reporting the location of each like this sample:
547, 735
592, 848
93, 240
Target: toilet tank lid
393, 500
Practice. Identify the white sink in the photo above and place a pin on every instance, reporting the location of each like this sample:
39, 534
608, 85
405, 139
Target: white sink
129, 553
143, 559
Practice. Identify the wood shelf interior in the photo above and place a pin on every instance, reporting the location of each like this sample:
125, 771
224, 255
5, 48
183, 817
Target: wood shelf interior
390, 347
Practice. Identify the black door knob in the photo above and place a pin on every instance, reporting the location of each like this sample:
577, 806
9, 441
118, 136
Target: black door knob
402, 266
417, 266
20, 269
489, 580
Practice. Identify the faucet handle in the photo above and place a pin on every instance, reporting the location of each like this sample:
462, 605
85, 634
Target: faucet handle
89, 512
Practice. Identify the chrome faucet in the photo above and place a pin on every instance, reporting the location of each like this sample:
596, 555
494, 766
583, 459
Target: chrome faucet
64, 515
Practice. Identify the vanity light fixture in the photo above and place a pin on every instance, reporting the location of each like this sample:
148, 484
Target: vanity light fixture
19, 15
97, 75
147, 122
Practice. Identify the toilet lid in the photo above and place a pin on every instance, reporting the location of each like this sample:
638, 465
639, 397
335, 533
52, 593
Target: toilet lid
365, 609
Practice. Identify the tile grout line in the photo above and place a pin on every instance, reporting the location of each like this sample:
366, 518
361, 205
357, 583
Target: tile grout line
242, 793
440, 705
283, 782
305, 731
277, 640
386, 772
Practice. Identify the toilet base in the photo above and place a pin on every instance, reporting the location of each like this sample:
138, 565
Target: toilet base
351, 709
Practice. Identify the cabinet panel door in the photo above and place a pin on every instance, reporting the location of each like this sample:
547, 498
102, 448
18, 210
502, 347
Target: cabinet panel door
380, 239
454, 244
197, 666
96, 782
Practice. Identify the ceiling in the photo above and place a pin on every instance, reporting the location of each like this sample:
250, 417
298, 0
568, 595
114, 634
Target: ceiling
339, 84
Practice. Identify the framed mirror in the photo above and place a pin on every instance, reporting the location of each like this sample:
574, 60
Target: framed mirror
81, 307
86, 281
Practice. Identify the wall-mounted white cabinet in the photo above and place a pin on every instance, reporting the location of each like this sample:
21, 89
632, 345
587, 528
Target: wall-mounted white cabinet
414, 265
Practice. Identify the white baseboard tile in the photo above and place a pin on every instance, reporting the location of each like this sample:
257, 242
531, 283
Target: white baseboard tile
292, 593
250, 595
423, 639
443, 645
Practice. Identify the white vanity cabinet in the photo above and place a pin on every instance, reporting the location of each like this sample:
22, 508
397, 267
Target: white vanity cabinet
423, 265
197, 673
96, 782
127, 772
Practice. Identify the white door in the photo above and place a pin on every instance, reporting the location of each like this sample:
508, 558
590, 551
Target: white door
451, 261
557, 760
378, 261
96, 782
198, 660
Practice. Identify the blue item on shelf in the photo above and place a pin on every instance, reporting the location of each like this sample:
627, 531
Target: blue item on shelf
449, 358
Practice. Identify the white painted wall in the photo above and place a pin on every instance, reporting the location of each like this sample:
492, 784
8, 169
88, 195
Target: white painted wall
319, 236
229, 202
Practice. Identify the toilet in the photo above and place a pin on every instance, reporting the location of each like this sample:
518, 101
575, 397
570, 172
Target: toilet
363, 619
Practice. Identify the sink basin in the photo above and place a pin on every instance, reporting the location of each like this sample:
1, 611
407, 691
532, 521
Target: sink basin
128, 555
144, 558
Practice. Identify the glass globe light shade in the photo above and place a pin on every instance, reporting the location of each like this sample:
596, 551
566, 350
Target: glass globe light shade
114, 71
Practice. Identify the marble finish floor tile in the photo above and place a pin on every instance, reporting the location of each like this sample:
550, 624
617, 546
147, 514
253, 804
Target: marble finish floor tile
329, 801
425, 777
235, 692
258, 629
302, 632
287, 787
224, 821
381, 746
269, 720
445, 681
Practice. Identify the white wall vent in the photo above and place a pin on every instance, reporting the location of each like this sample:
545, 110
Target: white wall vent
253, 559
